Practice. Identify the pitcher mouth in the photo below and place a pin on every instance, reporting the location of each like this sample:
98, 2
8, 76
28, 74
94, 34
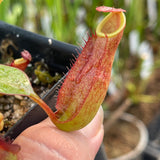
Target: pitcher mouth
111, 25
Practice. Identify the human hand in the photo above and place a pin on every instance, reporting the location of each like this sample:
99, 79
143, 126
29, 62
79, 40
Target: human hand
44, 141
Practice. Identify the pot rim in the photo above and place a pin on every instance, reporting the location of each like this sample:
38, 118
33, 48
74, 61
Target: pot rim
143, 141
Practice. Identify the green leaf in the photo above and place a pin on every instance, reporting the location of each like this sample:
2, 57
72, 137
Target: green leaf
11, 156
14, 81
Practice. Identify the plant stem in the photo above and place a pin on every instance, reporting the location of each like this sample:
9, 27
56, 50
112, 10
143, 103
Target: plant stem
44, 106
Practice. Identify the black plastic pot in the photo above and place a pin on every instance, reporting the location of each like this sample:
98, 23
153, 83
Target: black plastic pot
56, 54
152, 151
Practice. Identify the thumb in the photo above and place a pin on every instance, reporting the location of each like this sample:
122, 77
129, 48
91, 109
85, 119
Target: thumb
94, 131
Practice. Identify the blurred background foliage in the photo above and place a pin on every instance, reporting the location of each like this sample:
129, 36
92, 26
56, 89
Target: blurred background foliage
70, 20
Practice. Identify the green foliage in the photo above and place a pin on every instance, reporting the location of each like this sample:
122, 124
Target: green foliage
14, 81
10, 13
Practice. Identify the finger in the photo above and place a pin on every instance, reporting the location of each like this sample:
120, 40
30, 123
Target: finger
94, 131
59, 143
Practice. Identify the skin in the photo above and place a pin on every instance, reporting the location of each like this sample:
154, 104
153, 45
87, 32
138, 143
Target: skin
44, 141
